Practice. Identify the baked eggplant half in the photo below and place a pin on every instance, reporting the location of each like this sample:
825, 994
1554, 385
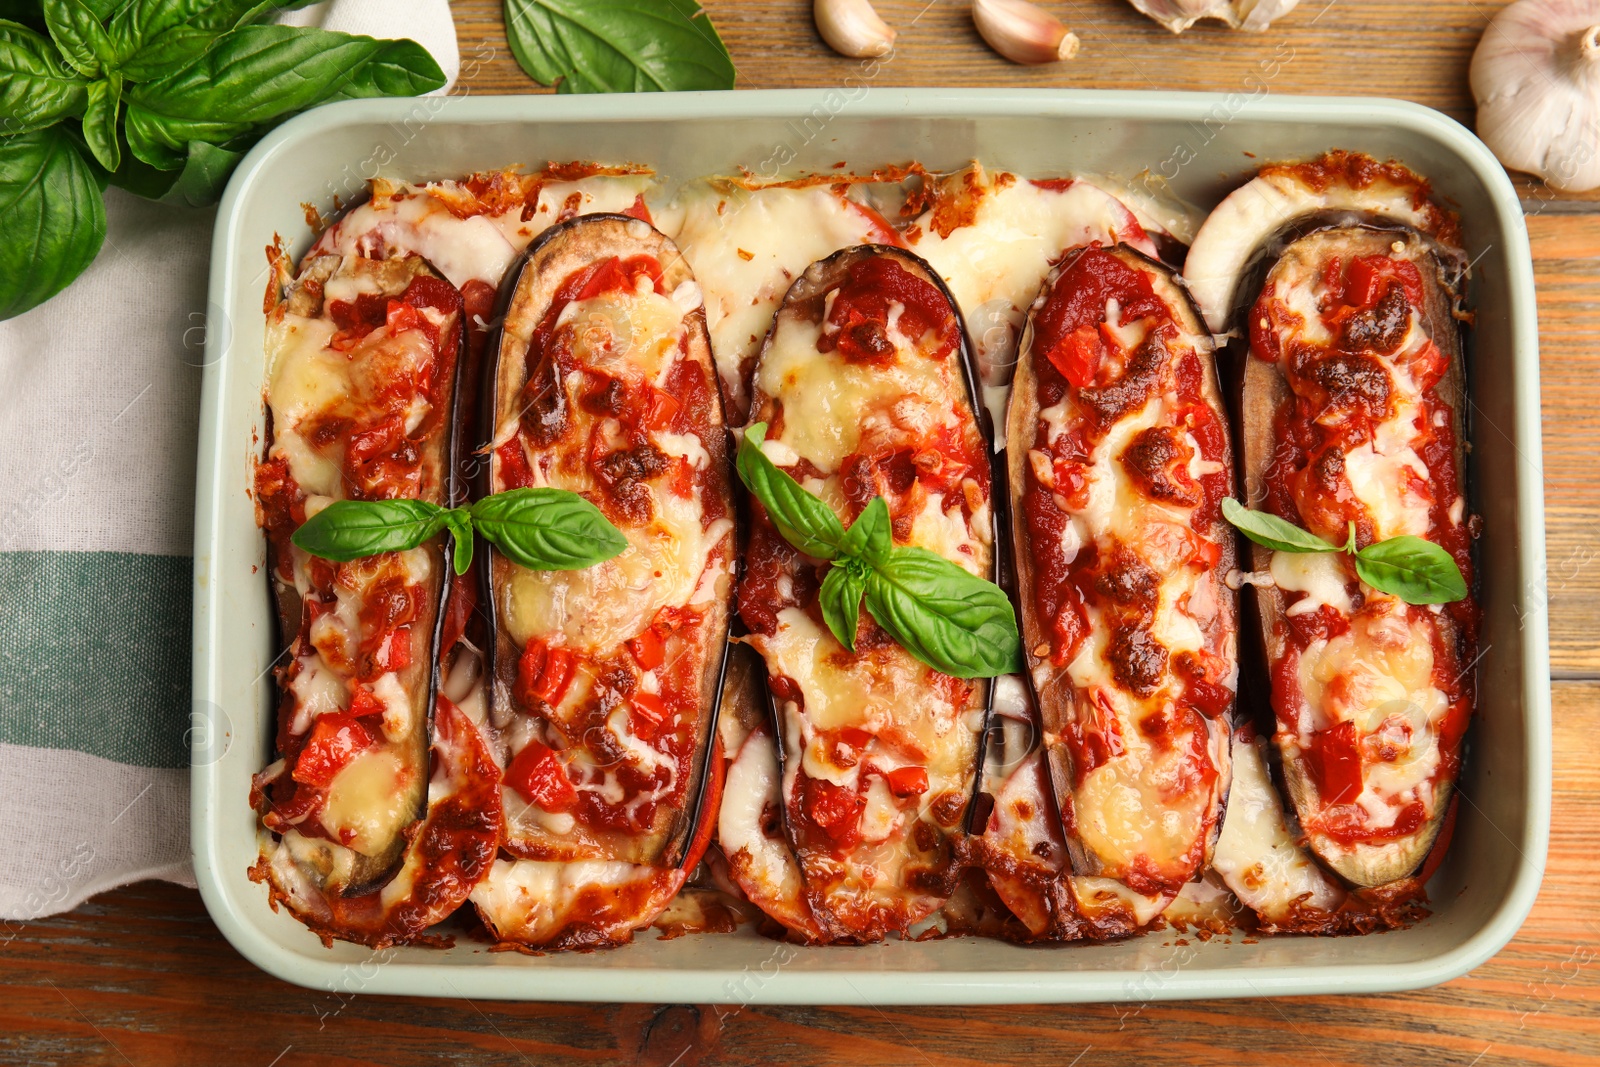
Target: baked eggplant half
751, 824
868, 390
1353, 420
606, 681
1118, 459
363, 358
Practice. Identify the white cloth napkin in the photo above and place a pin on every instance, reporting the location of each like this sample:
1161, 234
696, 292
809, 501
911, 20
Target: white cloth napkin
99, 401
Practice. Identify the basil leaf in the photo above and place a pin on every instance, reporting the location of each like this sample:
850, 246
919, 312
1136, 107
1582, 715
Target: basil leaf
75, 28
350, 529
840, 599
138, 24
948, 618
547, 529
54, 217
198, 183
804, 521
100, 121
1416, 571
37, 88
256, 74
618, 46
459, 522
870, 537
1271, 531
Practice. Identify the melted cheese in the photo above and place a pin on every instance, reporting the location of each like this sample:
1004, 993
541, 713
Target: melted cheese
1321, 576
476, 247
1256, 853
367, 802
830, 403
747, 246
599, 607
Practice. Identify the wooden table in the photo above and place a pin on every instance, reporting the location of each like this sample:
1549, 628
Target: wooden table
141, 976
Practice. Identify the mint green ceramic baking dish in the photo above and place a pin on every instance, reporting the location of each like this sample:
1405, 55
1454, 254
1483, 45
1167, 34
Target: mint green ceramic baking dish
1202, 144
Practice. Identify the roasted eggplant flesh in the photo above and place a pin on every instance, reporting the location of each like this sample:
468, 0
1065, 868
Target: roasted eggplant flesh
1118, 457
1353, 417
868, 390
363, 357
606, 680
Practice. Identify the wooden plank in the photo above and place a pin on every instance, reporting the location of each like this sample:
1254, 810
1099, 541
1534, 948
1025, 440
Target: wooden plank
1566, 252
141, 976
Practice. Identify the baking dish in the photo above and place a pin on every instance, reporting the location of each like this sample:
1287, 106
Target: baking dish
1203, 145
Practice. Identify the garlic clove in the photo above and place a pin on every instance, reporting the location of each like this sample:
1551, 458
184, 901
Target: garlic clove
1023, 32
852, 28
1179, 15
1536, 78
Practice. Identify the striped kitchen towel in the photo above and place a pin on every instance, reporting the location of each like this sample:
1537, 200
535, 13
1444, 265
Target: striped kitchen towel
99, 403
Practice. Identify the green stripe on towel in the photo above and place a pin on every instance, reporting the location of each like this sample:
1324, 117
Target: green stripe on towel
94, 654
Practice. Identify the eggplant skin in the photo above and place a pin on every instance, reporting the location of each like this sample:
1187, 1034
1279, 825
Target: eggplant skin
1056, 697
547, 422
276, 493
1264, 392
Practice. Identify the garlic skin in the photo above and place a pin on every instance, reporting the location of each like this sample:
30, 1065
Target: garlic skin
1023, 32
852, 28
1179, 15
1536, 78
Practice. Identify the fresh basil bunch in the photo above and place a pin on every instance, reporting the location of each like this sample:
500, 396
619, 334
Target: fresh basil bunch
160, 97
618, 46
1416, 571
946, 617
541, 529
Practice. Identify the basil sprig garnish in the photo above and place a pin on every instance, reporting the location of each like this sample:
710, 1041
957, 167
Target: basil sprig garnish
1416, 571
944, 616
542, 529
160, 97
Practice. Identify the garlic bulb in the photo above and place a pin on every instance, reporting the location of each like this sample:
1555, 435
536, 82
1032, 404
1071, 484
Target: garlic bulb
1179, 15
852, 28
1023, 32
1536, 78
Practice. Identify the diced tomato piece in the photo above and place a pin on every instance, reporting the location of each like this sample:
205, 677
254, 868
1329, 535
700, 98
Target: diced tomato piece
1078, 354
856, 737
1369, 277
1427, 366
397, 654
514, 471
364, 702
539, 777
648, 715
907, 781
543, 673
835, 810
402, 317
557, 675
1336, 760
660, 410
649, 651
621, 275
335, 740
1206, 553
682, 478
